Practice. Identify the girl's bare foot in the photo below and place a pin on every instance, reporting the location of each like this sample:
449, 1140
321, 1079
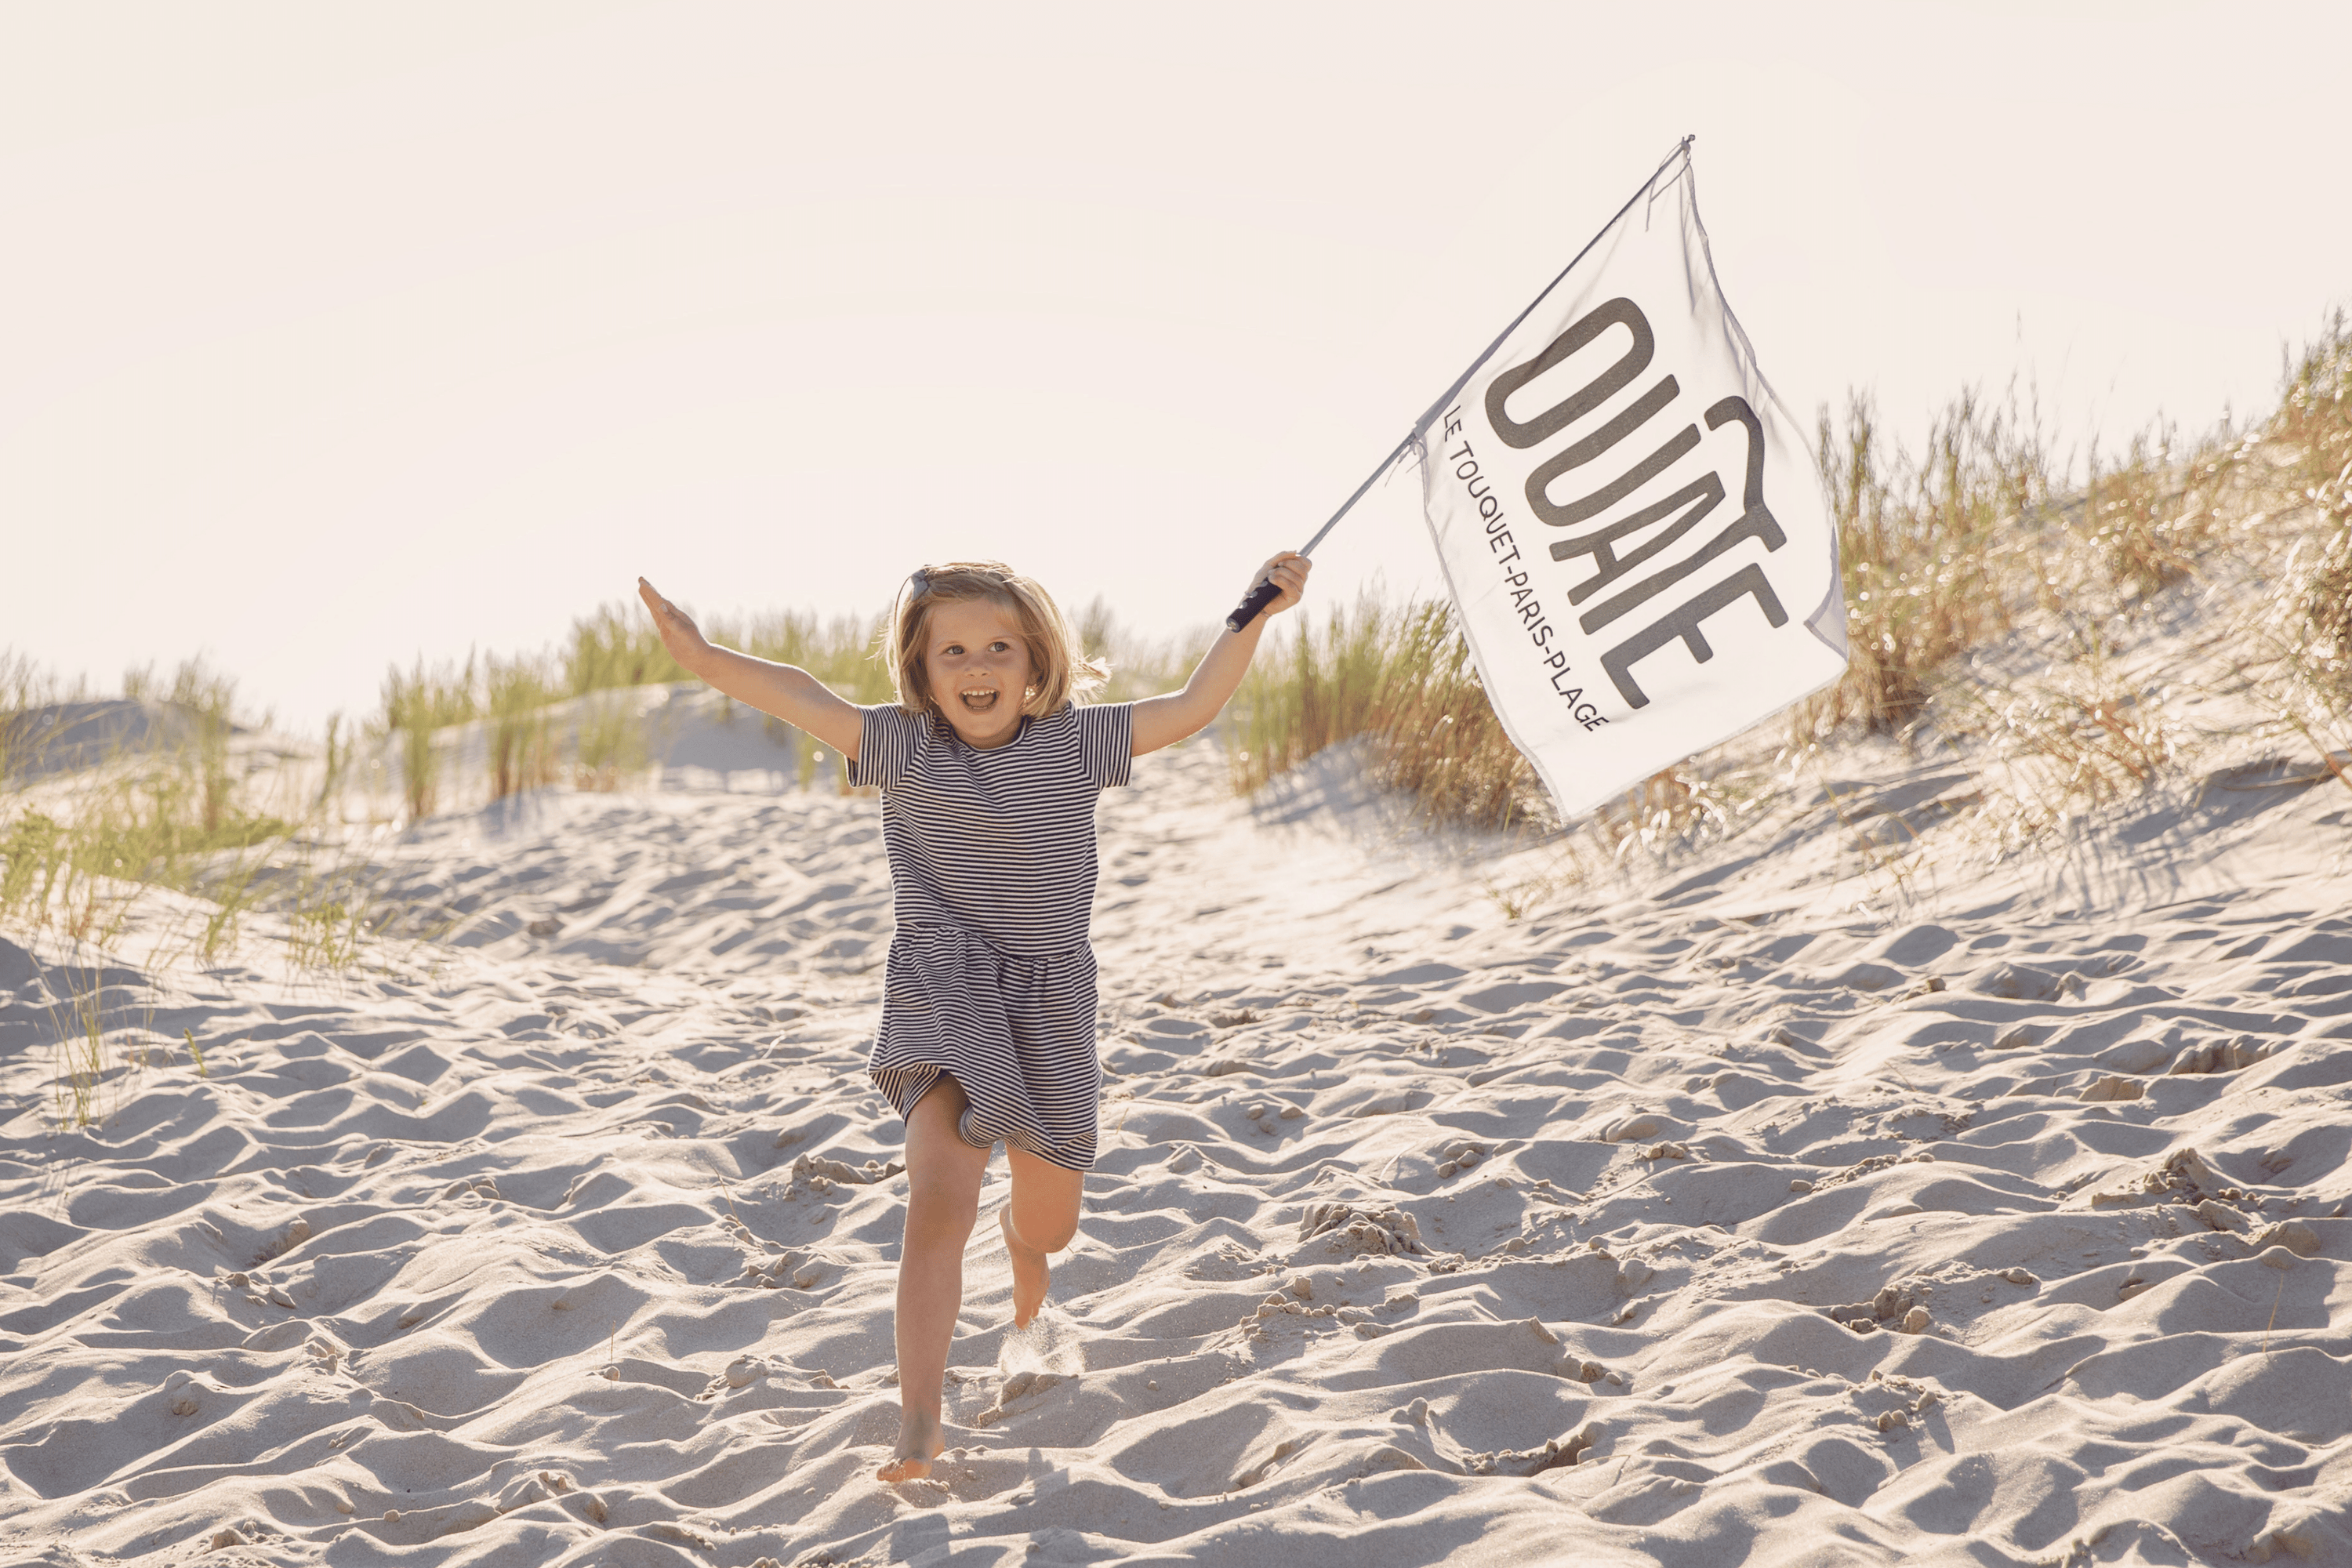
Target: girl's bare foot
919, 1442
1030, 1274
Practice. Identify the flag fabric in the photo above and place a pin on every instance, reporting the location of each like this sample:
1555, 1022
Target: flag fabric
1635, 536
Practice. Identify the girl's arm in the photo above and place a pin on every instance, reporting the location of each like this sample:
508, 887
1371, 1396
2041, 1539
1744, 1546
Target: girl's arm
1164, 720
786, 691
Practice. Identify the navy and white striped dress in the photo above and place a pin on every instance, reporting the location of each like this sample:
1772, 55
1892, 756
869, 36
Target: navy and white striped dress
992, 870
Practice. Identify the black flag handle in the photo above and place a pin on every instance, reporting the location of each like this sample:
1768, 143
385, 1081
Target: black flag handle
1252, 603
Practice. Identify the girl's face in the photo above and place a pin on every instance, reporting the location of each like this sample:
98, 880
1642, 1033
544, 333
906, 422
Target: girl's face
978, 668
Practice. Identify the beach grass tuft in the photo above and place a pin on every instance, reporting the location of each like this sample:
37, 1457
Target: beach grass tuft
524, 752
1926, 545
2313, 430
79, 1075
1401, 678
418, 704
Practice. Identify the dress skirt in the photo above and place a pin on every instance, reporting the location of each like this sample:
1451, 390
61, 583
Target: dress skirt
1015, 1030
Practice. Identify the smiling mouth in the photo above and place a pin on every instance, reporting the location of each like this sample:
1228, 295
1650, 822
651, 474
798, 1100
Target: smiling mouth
978, 700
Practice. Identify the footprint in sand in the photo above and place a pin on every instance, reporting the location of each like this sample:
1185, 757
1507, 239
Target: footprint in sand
1050, 1343
1023, 1384
1460, 1156
1357, 1231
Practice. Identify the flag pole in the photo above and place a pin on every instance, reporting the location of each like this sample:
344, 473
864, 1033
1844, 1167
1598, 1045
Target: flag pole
1264, 593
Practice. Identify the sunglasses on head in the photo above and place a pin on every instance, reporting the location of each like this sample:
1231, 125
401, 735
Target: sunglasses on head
918, 580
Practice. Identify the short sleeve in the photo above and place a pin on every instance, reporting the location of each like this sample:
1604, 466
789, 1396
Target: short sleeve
888, 737
1106, 742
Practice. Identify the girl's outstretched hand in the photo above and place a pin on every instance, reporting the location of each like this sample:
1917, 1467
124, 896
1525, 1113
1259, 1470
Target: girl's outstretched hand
678, 633
782, 690
1288, 572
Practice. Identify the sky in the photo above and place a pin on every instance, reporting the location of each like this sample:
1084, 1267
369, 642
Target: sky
333, 336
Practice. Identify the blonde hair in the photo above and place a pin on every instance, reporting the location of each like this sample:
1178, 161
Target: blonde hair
1060, 667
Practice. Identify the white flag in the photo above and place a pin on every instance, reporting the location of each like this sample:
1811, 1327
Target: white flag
1634, 534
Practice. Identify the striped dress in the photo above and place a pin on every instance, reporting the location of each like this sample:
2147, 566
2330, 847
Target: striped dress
993, 871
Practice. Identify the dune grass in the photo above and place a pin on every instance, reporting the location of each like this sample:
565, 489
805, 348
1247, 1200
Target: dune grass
102, 1038
83, 852
2314, 430
75, 858
616, 646
79, 1065
524, 750
1927, 546
559, 715
1401, 678
1952, 553
419, 703
30, 696
87, 851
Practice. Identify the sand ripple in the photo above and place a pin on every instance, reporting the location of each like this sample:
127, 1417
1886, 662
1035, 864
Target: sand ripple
1683, 1226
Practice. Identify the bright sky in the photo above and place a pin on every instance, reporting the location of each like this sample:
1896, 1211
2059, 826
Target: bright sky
331, 335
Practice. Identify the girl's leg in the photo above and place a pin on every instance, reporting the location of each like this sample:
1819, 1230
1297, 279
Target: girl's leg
943, 1176
1041, 1218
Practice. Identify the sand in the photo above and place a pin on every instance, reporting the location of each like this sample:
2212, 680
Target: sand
1760, 1207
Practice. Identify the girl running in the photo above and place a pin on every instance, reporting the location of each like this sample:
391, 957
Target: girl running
989, 773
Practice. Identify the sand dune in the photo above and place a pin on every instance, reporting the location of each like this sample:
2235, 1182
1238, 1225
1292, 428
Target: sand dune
1754, 1209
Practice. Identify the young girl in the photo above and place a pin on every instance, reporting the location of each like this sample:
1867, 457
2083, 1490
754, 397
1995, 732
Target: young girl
988, 775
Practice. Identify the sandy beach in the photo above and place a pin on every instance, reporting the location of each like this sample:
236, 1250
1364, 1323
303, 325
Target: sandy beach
1758, 974
1749, 1208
